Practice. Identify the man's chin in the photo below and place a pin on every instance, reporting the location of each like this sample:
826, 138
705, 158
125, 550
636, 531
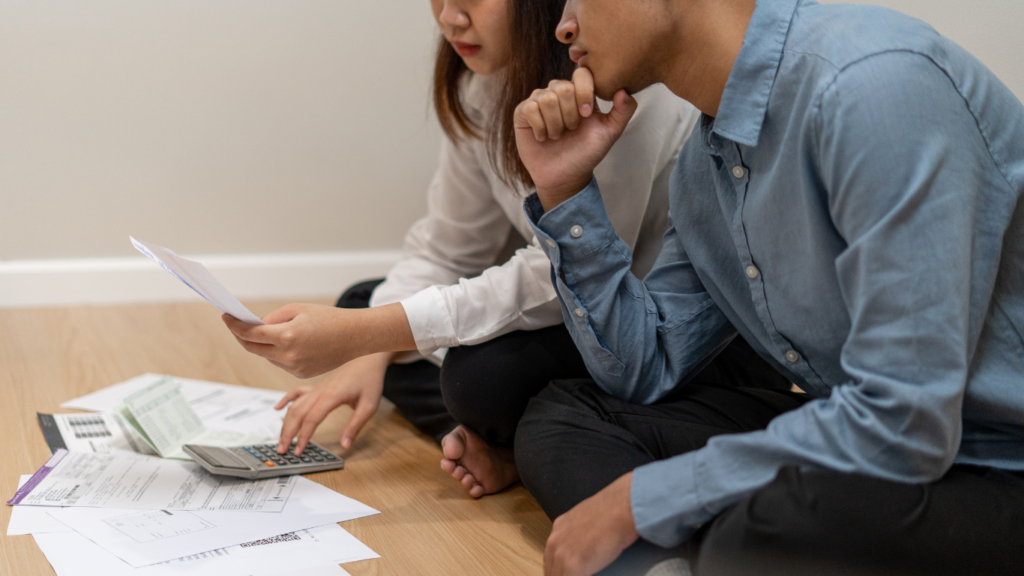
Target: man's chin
605, 93
607, 90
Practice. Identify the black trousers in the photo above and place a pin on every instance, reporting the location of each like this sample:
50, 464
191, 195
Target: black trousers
487, 387
575, 439
484, 387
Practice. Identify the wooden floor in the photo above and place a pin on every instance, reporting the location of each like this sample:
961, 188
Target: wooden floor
427, 525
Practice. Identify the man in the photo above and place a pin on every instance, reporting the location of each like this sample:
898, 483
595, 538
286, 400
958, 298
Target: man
851, 204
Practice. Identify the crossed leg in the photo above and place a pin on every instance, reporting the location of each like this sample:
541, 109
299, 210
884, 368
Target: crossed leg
574, 440
487, 388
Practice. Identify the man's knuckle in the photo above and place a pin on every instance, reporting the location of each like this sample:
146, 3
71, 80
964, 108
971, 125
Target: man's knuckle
548, 98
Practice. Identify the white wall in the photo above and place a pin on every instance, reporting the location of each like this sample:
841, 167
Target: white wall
212, 126
247, 127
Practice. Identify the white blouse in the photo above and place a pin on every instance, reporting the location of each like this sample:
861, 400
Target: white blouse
446, 280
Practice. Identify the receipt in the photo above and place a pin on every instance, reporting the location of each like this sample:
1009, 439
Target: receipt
137, 482
162, 416
91, 433
219, 406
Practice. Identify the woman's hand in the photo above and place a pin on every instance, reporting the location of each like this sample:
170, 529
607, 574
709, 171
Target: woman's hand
307, 340
562, 137
358, 384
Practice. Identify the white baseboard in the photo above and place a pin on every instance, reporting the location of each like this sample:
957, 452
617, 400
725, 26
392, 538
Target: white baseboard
112, 281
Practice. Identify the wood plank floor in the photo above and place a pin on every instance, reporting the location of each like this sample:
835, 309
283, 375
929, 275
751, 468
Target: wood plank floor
427, 526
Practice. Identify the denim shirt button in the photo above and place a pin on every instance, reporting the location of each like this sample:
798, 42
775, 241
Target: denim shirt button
576, 231
792, 356
752, 272
579, 312
738, 171
551, 243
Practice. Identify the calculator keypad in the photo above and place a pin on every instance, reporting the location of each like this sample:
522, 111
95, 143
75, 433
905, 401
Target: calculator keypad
267, 453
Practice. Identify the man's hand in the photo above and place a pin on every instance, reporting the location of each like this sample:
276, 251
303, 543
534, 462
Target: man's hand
307, 340
562, 136
358, 384
591, 536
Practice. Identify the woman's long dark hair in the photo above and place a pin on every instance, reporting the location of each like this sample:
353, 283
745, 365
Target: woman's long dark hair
536, 58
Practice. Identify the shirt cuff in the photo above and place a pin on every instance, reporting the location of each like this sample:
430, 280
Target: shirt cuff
429, 320
663, 494
573, 230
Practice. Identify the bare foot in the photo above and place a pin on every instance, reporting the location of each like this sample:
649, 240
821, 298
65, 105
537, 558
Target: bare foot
478, 466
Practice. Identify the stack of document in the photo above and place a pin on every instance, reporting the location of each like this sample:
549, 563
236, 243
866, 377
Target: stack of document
171, 411
111, 507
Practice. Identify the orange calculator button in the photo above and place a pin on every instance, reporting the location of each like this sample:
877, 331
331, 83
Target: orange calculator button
269, 463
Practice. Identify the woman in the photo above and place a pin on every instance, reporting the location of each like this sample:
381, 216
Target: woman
503, 323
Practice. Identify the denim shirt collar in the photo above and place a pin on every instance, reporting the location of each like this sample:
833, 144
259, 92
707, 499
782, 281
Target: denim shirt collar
745, 100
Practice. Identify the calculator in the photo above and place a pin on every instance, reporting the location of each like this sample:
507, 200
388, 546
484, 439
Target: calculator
262, 460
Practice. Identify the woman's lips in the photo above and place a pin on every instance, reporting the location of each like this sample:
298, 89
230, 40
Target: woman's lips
466, 50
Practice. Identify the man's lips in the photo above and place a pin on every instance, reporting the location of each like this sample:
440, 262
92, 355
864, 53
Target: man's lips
466, 50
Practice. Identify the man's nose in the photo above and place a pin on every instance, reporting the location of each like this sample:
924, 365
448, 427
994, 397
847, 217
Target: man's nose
567, 31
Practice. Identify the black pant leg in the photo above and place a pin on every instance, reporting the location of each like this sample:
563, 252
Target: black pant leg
815, 522
358, 295
486, 387
575, 439
414, 388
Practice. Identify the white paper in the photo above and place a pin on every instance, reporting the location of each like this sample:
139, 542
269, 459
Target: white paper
32, 519
331, 570
304, 552
101, 433
164, 419
310, 505
240, 409
123, 480
197, 277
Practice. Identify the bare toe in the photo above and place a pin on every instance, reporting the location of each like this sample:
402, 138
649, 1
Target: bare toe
448, 465
459, 473
492, 468
454, 444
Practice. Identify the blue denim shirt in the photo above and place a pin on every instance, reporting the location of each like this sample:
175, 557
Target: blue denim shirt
854, 211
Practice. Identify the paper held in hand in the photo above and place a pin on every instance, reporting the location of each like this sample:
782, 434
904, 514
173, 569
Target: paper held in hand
197, 277
164, 419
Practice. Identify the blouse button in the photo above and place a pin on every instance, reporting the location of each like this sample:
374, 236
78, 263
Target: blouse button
576, 231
